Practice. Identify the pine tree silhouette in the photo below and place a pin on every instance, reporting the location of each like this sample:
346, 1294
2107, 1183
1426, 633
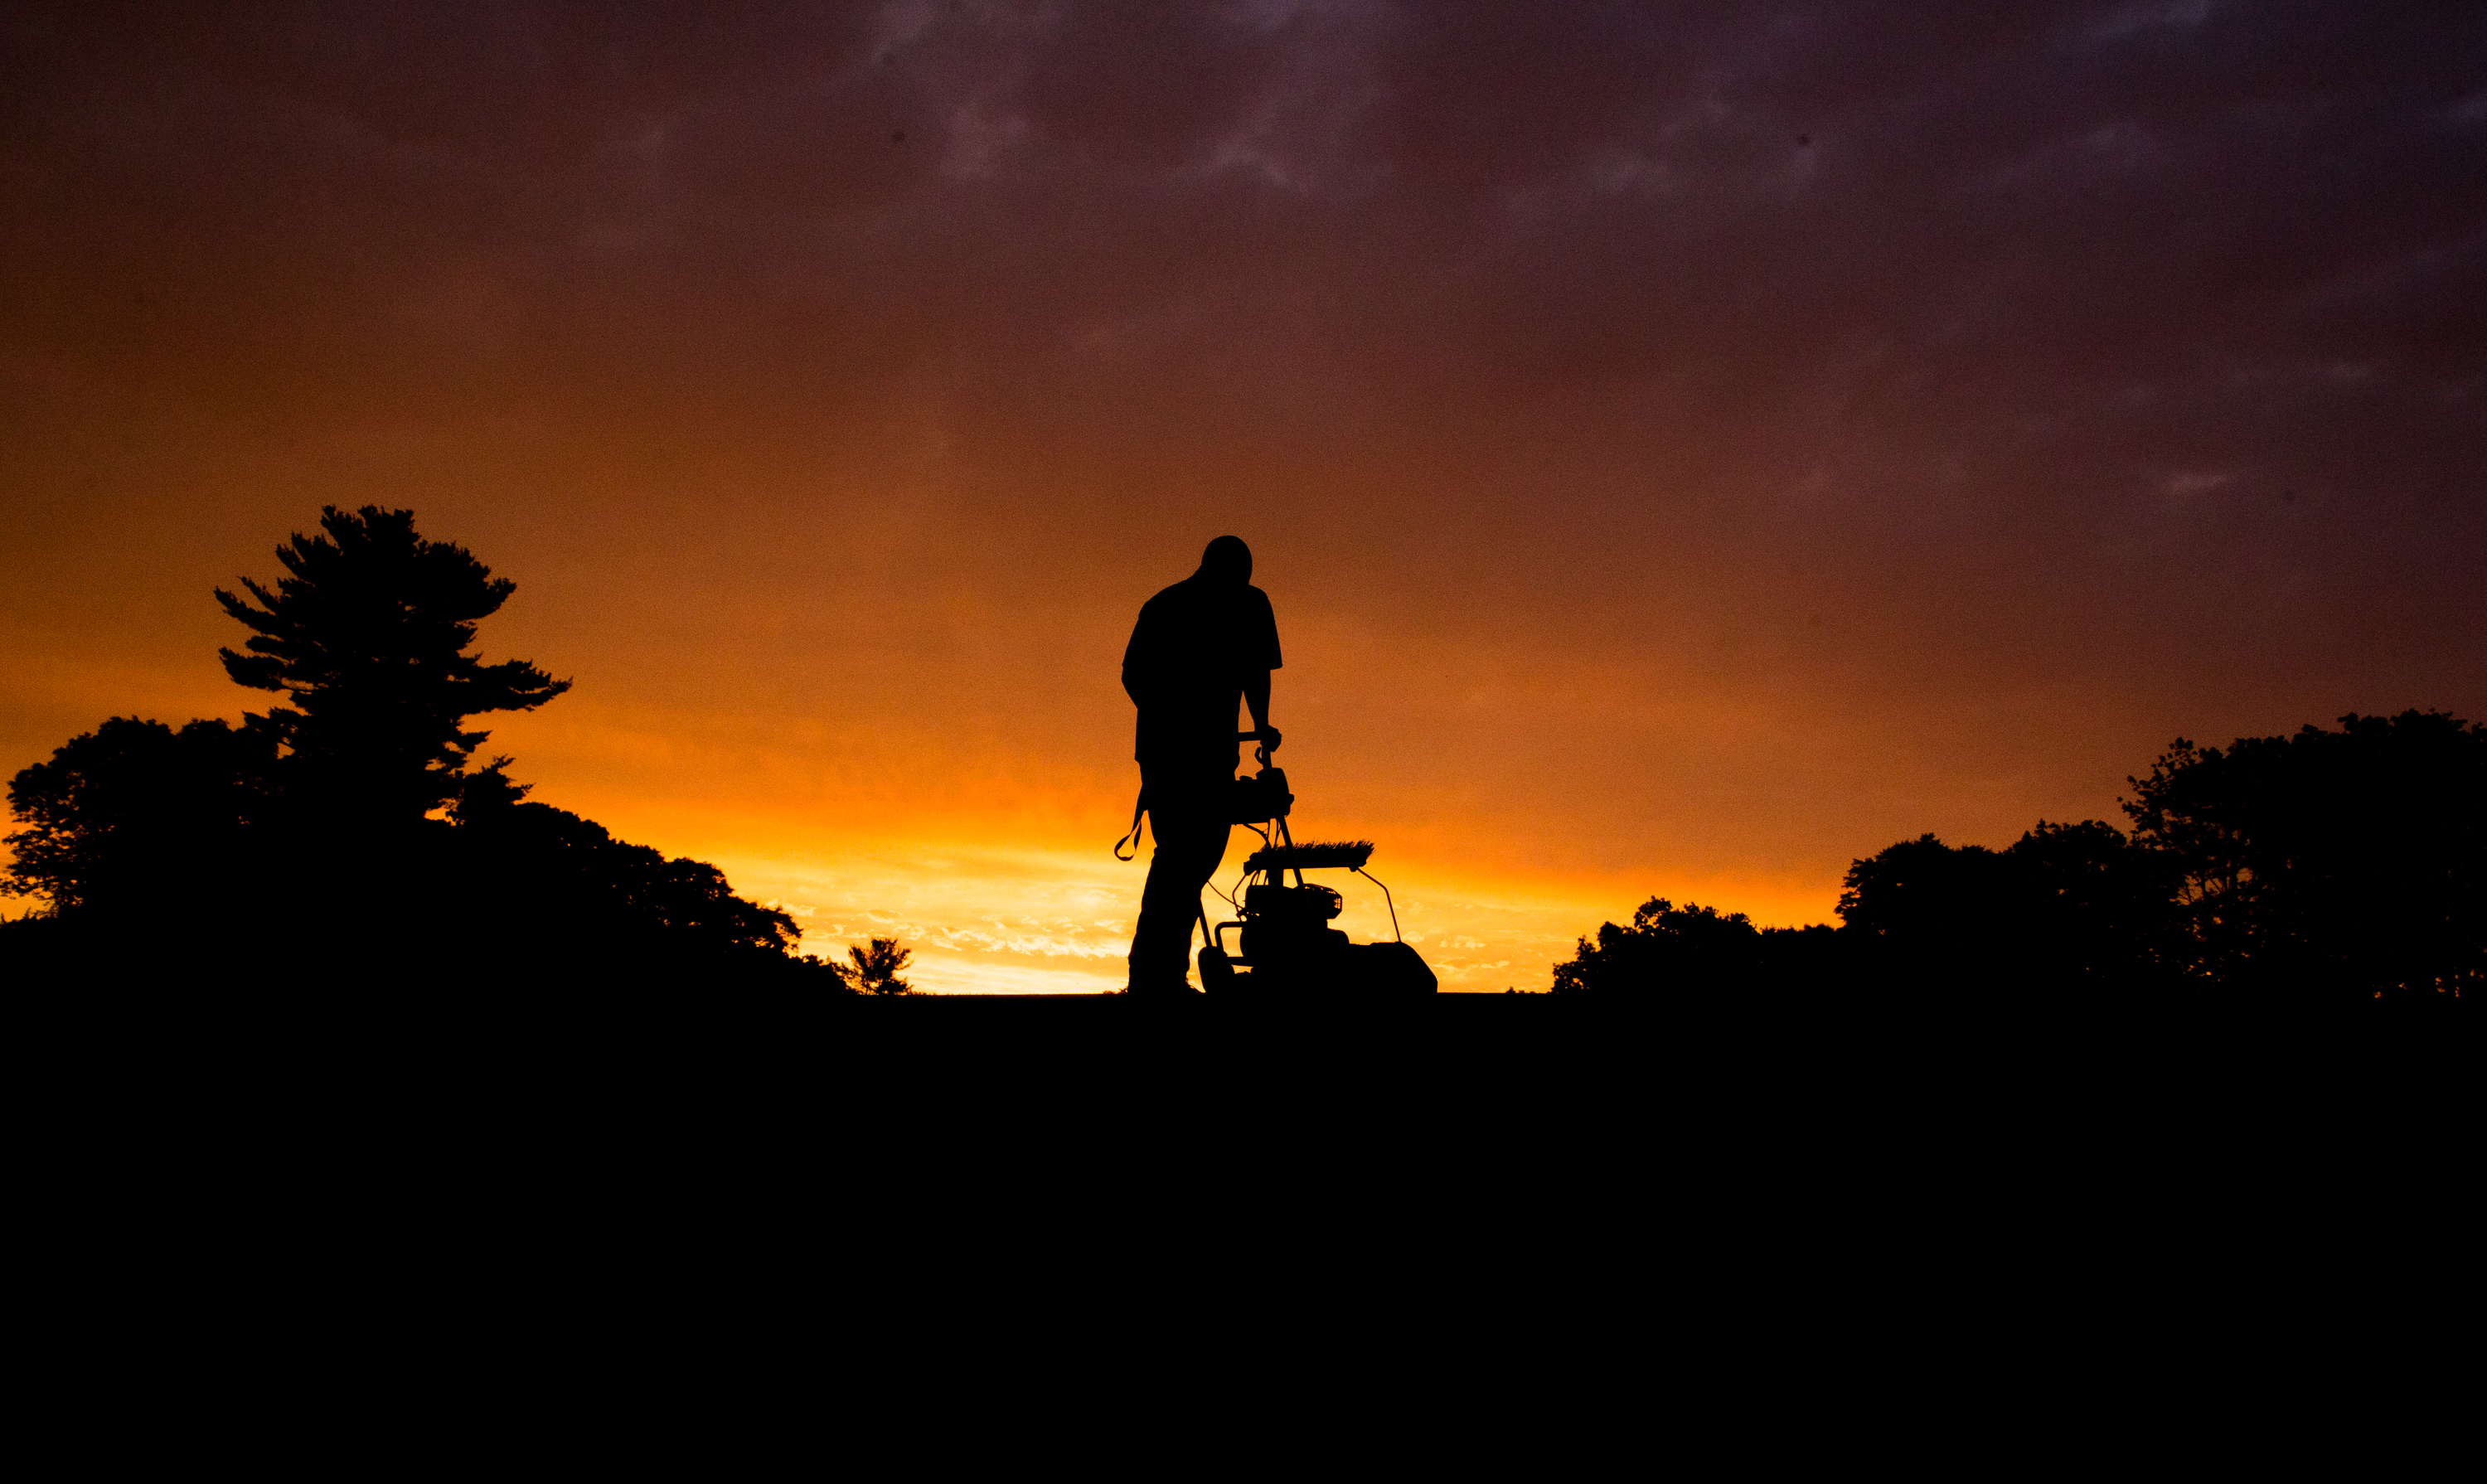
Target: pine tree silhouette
367, 638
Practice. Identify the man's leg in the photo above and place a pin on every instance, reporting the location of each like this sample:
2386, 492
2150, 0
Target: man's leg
1191, 830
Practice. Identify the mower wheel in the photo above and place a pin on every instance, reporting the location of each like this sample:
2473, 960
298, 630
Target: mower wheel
1217, 972
1394, 971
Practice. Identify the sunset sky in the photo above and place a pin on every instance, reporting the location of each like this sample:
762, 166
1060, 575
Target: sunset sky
1688, 446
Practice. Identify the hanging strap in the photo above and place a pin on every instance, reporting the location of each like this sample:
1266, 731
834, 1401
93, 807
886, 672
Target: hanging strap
1139, 806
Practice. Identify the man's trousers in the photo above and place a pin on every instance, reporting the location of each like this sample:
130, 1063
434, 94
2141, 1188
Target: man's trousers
1187, 810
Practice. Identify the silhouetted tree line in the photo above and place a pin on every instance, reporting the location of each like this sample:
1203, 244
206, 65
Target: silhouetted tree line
342, 835
2331, 863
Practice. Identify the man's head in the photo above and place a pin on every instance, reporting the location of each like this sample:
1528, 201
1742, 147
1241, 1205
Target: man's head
1227, 560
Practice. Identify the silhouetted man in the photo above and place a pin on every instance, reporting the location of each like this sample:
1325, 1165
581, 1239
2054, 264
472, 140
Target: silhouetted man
1199, 646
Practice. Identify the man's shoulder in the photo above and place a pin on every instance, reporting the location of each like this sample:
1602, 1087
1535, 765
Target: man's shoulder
1167, 603
1189, 601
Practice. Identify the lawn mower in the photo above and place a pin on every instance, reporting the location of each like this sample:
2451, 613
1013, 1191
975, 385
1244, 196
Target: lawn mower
1285, 947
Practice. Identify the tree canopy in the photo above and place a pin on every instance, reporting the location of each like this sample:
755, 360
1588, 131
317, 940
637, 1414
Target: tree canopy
2354, 859
299, 848
135, 810
2330, 863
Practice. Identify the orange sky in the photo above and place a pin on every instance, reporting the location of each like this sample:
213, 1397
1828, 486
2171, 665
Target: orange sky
1687, 447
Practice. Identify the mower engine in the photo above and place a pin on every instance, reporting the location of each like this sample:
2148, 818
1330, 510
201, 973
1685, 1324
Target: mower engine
1290, 922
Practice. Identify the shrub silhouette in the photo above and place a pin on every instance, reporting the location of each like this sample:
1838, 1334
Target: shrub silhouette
618, 900
1692, 950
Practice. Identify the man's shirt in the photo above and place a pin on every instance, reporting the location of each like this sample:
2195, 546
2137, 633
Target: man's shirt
1195, 645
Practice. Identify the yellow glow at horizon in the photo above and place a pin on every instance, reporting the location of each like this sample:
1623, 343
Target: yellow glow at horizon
995, 867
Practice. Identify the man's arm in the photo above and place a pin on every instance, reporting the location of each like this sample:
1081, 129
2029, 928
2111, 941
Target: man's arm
1138, 656
1260, 658
1256, 695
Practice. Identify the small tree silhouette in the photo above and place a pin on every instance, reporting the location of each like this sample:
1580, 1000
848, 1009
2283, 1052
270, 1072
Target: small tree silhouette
876, 969
368, 638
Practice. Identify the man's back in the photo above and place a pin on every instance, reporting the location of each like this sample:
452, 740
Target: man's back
1195, 647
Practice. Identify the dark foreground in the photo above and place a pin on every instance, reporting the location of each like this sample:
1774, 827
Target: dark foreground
575, 1125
